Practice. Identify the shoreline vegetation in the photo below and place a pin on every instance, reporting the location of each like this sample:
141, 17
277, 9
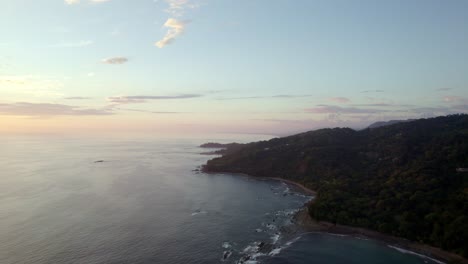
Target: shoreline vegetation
245, 160
309, 225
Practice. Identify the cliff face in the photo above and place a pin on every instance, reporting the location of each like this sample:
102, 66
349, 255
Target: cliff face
400, 179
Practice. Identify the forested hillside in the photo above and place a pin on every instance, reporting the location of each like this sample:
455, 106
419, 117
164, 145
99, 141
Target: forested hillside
400, 179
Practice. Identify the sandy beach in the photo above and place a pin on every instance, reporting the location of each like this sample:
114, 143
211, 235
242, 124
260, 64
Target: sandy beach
304, 220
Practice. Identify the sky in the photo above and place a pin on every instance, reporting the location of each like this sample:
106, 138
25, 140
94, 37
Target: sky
217, 66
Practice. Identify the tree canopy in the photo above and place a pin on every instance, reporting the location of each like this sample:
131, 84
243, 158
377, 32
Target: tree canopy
402, 179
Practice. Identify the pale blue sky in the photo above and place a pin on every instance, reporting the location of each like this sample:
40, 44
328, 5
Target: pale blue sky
260, 65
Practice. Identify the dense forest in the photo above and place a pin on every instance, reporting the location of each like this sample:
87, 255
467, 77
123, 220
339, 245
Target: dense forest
405, 179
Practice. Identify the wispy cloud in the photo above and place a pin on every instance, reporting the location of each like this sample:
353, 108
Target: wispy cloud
115, 60
150, 112
46, 109
341, 100
145, 98
175, 28
454, 99
331, 109
79, 44
378, 105
177, 8
74, 2
77, 98
279, 96
373, 91
443, 89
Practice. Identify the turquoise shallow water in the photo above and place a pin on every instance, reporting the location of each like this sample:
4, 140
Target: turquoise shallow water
146, 204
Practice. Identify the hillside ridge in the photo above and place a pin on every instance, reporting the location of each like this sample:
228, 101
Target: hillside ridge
401, 179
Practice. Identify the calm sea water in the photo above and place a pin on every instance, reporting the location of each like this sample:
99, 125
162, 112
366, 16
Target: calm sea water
146, 204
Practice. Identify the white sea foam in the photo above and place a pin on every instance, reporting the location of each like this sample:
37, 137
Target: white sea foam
197, 212
226, 245
252, 248
275, 251
275, 238
288, 212
414, 253
289, 243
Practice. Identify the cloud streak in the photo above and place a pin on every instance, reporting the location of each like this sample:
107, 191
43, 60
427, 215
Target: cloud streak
443, 89
177, 7
145, 98
74, 2
175, 29
77, 98
455, 99
373, 91
150, 112
279, 96
115, 60
331, 109
46, 109
341, 100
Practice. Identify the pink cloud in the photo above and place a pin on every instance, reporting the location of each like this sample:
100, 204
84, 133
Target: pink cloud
453, 99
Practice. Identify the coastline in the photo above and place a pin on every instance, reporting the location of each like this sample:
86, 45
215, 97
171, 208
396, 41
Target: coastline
304, 189
309, 225
303, 219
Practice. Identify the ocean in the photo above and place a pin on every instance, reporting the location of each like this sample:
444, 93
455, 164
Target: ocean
95, 201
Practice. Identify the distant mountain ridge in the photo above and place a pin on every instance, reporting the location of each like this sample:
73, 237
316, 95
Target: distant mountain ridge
401, 179
388, 123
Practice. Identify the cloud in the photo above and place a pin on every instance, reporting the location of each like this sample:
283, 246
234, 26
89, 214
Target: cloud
373, 91
341, 100
74, 2
285, 96
330, 109
177, 7
175, 28
150, 112
379, 105
145, 98
115, 60
77, 98
443, 89
78, 44
289, 96
46, 109
454, 99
